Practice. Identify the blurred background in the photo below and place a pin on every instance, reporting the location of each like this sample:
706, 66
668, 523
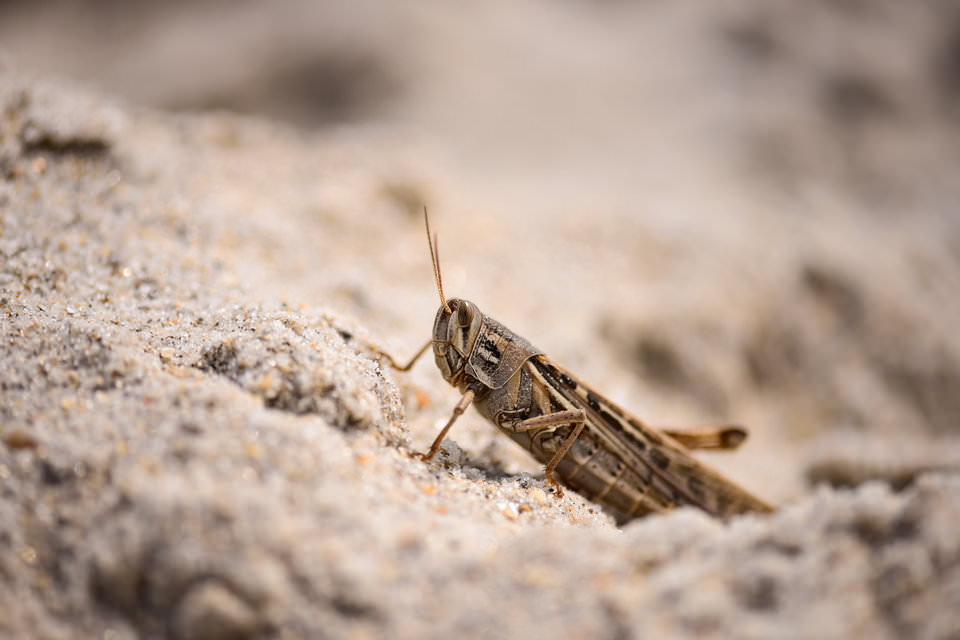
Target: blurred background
742, 210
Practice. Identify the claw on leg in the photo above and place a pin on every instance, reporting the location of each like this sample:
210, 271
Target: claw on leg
457, 412
554, 484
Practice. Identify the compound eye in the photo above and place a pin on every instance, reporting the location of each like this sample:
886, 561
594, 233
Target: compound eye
465, 314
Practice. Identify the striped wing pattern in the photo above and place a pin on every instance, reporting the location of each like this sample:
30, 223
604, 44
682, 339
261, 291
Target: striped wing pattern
627, 465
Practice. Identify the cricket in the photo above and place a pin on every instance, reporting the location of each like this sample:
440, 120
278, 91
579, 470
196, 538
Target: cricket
585, 442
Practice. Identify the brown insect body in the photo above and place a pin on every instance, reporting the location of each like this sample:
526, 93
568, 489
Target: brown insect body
588, 442
615, 460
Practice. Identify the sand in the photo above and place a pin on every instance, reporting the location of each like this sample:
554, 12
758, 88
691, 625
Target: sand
197, 440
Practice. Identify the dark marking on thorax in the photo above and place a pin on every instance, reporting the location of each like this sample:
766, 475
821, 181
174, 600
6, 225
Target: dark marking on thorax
489, 354
497, 354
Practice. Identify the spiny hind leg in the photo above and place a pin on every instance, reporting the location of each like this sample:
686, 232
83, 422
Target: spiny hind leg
712, 436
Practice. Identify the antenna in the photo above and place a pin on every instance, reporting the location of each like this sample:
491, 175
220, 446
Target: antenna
435, 257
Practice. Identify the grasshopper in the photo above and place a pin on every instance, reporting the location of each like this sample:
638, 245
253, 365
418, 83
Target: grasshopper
585, 441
